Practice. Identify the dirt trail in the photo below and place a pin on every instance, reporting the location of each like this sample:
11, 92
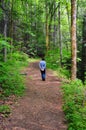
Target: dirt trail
41, 107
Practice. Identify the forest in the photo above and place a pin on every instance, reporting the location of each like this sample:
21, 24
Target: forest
56, 30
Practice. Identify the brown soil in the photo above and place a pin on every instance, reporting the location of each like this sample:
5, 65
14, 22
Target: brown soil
41, 106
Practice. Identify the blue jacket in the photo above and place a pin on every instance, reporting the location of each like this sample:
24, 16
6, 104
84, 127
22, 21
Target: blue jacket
42, 65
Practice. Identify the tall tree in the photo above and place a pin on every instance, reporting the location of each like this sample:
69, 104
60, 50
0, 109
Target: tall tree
59, 30
51, 8
47, 27
73, 40
11, 23
4, 6
83, 63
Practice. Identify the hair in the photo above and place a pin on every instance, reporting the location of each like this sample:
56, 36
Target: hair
43, 59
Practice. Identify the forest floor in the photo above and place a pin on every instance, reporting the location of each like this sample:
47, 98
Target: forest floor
41, 106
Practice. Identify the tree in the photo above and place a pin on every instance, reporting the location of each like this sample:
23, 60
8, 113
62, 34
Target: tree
83, 62
73, 40
4, 7
11, 23
47, 27
59, 30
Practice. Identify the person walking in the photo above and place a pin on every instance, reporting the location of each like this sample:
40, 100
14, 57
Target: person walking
42, 66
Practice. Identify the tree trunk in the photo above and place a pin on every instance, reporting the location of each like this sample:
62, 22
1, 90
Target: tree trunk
73, 39
5, 18
69, 24
5, 35
59, 29
83, 63
11, 26
55, 32
47, 29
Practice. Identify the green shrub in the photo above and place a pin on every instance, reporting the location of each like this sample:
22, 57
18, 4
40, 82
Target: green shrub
20, 56
73, 105
11, 81
5, 110
53, 62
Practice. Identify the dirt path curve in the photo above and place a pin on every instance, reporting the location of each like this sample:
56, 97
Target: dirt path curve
41, 107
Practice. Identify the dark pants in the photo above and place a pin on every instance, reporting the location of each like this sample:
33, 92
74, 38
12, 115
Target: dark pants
43, 75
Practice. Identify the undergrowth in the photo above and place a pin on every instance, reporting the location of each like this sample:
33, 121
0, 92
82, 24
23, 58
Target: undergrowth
5, 110
75, 105
53, 62
11, 81
74, 92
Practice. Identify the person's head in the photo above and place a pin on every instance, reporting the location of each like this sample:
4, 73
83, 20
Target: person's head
43, 58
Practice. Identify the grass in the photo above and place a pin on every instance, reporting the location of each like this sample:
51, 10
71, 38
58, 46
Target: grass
5, 110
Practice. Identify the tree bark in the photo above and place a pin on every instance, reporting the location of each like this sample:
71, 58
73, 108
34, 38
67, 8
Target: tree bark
73, 40
5, 18
83, 62
55, 32
47, 29
5, 35
59, 29
11, 26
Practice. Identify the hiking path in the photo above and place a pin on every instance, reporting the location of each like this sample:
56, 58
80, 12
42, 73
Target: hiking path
41, 106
